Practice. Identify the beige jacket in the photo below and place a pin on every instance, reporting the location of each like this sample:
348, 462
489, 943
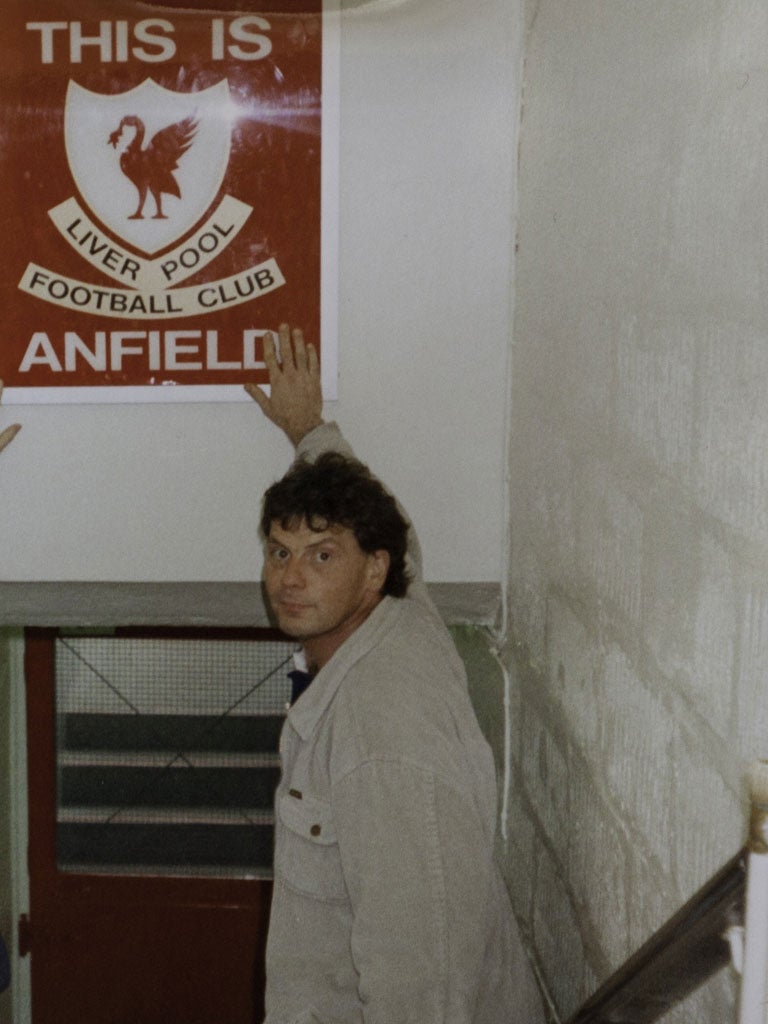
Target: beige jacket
388, 907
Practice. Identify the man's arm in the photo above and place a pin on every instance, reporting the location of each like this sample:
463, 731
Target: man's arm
7, 435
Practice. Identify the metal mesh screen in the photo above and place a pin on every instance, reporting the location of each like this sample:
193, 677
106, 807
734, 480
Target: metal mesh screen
167, 754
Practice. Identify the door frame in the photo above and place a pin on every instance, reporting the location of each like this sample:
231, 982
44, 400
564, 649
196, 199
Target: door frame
21, 986
38, 703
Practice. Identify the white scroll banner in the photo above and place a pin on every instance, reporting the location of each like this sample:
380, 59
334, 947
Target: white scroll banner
196, 252
211, 297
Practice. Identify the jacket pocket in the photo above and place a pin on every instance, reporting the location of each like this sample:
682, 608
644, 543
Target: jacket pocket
307, 856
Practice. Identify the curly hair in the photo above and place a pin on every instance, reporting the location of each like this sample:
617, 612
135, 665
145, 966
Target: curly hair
339, 491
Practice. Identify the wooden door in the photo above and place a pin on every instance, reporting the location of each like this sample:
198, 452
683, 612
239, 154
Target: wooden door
149, 889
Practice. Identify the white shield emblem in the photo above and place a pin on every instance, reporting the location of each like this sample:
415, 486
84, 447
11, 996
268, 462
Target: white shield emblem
148, 162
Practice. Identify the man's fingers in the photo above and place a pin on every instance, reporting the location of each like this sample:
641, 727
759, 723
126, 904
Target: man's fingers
270, 352
294, 353
286, 352
8, 435
299, 349
313, 363
258, 396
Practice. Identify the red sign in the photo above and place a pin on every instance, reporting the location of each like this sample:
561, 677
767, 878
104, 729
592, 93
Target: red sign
162, 179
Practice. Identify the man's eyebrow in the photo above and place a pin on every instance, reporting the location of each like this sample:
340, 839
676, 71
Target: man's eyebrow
327, 538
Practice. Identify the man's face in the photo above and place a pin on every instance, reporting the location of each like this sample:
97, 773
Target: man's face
321, 585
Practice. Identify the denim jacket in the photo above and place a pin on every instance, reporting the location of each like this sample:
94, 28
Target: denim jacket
388, 906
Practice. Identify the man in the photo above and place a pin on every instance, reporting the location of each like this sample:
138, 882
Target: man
388, 906
7, 435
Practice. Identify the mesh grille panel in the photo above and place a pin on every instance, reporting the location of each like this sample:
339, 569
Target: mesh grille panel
167, 754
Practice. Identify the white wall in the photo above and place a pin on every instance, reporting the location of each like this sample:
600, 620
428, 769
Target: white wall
429, 95
639, 550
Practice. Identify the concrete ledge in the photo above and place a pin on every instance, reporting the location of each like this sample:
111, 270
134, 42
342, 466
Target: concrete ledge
194, 604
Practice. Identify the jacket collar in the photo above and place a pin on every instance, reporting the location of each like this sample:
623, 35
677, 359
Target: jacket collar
305, 714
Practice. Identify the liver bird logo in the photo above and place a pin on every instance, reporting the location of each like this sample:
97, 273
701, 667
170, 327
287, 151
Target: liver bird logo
151, 168
149, 162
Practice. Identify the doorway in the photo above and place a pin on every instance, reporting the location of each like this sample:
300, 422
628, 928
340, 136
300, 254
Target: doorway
152, 761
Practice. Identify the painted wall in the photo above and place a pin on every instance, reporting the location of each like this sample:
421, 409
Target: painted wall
639, 524
429, 90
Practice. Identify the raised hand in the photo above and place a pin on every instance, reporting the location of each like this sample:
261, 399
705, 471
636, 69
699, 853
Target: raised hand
7, 435
295, 402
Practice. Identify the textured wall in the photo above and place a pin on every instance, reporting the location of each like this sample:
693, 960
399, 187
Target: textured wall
638, 584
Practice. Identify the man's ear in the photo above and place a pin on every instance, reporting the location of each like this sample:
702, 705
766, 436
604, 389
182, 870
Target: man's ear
378, 568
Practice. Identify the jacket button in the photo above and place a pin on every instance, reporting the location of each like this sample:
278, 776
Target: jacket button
315, 830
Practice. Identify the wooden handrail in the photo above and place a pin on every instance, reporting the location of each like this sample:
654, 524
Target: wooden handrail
678, 958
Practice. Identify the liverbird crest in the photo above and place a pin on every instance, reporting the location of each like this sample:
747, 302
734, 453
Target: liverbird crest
173, 147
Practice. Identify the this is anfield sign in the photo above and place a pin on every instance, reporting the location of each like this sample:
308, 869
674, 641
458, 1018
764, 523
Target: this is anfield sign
167, 179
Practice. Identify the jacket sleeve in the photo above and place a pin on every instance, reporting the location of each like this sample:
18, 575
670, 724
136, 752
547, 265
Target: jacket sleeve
329, 438
417, 872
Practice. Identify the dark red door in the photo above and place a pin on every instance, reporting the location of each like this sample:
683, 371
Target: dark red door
142, 944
